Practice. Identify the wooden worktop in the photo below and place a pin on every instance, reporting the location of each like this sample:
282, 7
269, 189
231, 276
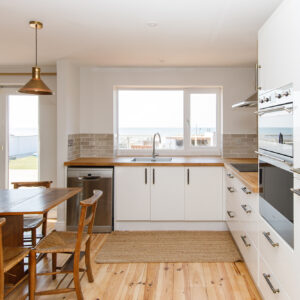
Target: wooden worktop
126, 161
250, 179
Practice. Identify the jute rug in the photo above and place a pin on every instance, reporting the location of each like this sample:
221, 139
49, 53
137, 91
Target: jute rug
168, 246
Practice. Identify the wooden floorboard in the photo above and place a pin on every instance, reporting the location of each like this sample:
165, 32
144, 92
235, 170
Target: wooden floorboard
152, 281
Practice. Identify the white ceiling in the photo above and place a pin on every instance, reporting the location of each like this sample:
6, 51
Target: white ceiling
115, 32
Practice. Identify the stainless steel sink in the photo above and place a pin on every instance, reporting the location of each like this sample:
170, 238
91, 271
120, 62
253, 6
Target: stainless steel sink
151, 159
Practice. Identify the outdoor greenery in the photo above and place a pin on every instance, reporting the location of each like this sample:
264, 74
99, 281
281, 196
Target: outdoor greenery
28, 162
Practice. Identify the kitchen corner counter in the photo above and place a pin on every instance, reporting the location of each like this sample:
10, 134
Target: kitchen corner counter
250, 179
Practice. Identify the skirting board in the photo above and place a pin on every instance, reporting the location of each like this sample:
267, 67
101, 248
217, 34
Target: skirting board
157, 225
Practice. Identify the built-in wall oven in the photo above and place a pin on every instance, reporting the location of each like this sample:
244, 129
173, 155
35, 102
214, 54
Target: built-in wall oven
275, 150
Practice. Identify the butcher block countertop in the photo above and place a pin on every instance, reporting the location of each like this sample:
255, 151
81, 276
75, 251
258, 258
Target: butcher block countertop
250, 179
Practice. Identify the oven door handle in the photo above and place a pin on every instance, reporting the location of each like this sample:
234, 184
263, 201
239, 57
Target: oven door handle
274, 109
272, 157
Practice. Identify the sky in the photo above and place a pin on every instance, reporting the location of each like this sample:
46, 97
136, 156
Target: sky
23, 113
164, 109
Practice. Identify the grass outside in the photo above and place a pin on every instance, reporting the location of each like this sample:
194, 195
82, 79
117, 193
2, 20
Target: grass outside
24, 163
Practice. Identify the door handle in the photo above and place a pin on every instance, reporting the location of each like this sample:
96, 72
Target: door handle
153, 176
247, 211
267, 236
188, 176
243, 237
229, 213
244, 189
146, 176
267, 278
230, 189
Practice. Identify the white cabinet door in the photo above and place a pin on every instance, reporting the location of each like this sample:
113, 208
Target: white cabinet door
278, 49
132, 193
203, 193
167, 193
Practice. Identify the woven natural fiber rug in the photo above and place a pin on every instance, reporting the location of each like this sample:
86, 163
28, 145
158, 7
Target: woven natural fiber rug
168, 246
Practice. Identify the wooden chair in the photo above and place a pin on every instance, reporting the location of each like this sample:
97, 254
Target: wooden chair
33, 223
67, 242
9, 257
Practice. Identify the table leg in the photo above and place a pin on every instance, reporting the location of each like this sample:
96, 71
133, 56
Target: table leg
13, 237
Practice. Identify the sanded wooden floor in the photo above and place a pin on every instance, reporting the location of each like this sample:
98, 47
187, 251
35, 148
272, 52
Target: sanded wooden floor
176, 281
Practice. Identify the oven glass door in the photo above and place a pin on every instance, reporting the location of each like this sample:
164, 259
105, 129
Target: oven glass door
276, 130
276, 202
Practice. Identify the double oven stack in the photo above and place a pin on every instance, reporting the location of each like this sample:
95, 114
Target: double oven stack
276, 157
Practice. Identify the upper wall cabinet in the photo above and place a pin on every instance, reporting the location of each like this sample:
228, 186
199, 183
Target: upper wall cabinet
278, 47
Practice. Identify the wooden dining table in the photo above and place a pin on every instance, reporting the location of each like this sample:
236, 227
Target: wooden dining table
16, 203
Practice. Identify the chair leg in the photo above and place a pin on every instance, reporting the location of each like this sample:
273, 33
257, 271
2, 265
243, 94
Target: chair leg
76, 277
88, 261
33, 237
32, 275
54, 261
2, 285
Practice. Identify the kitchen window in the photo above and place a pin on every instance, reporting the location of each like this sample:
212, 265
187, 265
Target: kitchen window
188, 120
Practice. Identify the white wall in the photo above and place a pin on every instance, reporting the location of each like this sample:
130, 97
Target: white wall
47, 120
96, 92
68, 82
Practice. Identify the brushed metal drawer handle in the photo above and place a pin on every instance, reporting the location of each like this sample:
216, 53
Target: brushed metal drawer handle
267, 236
243, 237
244, 189
229, 213
230, 189
230, 175
247, 211
267, 278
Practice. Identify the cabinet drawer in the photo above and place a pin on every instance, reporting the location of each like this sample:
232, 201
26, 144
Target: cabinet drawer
249, 221
278, 255
250, 253
269, 286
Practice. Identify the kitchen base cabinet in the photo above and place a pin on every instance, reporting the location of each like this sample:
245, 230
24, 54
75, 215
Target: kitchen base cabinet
167, 193
132, 193
203, 193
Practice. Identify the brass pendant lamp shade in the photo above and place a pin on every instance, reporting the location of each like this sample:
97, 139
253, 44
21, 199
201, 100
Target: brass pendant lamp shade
35, 85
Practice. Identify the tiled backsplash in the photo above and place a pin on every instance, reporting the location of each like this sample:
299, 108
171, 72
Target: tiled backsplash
90, 145
102, 145
239, 145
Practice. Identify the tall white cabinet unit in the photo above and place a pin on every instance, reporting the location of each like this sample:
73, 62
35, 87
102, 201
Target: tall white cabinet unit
278, 55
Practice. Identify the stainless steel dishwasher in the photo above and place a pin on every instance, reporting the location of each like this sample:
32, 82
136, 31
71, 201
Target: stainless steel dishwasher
90, 179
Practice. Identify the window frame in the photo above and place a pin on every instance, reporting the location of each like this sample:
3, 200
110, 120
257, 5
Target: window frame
188, 149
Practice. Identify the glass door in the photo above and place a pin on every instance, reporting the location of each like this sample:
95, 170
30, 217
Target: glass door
19, 137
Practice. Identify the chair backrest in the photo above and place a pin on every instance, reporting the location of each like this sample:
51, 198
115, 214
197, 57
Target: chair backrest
19, 184
87, 220
2, 222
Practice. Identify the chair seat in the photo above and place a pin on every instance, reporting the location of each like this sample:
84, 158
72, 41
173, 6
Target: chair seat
59, 241
31, 223
13, 255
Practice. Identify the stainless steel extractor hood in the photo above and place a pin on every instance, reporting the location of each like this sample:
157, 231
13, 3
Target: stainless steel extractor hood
249, 102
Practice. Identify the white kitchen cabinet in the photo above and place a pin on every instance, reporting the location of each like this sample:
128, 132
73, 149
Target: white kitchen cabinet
132, 193
278, 49
203, 193
167, 193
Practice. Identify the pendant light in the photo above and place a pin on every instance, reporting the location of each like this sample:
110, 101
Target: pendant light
35, 85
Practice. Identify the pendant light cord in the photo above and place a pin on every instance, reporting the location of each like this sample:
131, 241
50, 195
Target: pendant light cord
36, 45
